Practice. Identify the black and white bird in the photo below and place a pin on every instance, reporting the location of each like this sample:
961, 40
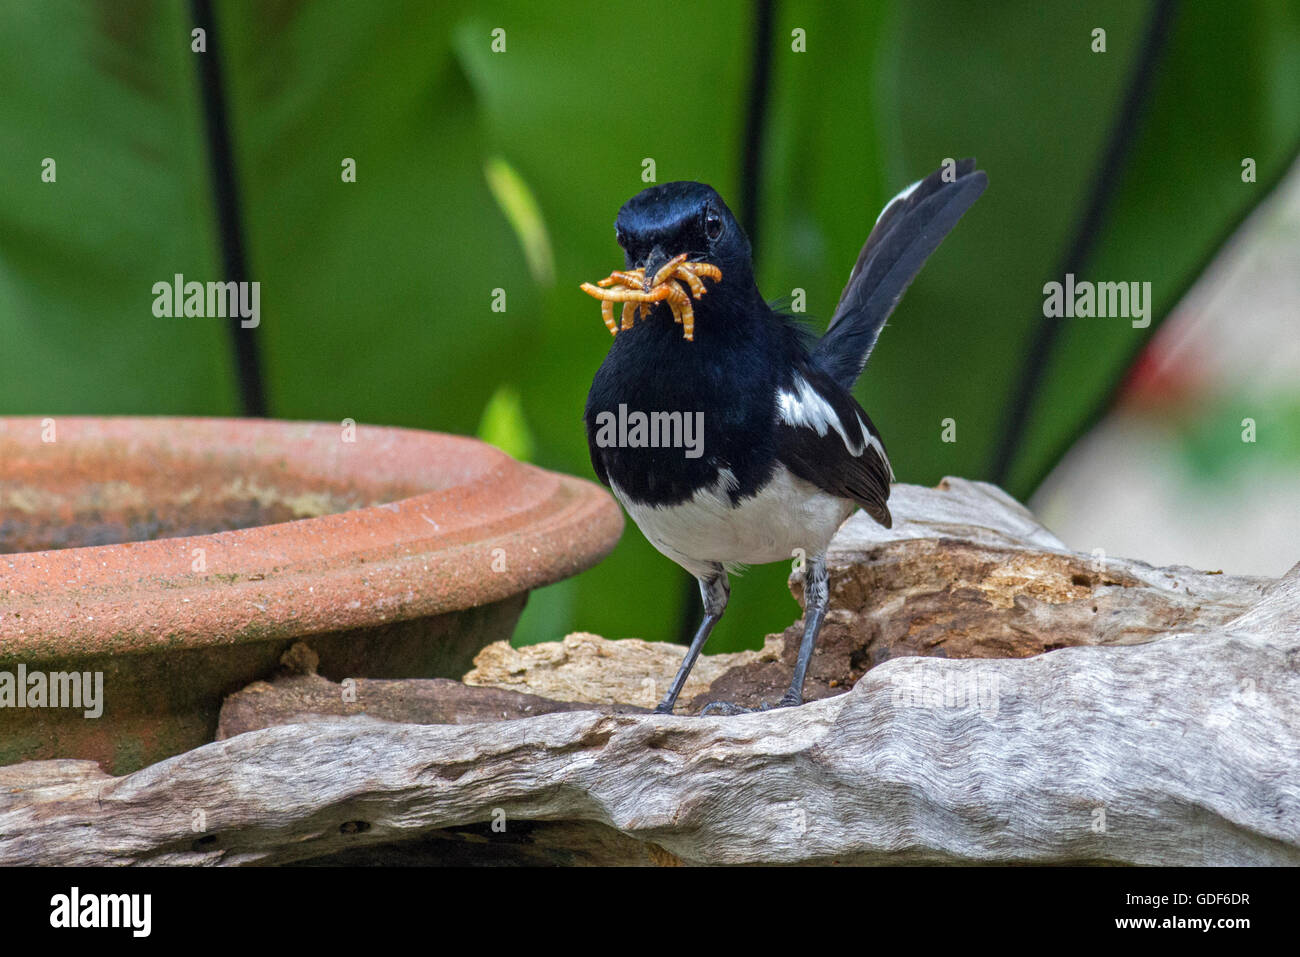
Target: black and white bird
787, 453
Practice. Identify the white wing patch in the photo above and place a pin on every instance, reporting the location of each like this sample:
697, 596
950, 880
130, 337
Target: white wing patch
901, 196
806, 407
877, 446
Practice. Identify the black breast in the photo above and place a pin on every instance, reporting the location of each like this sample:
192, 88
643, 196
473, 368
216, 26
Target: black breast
724, 381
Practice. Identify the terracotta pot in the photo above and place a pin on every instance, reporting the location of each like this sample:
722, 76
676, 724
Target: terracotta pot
181, 558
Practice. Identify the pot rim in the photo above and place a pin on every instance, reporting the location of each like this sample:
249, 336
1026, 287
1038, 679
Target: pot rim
501, 528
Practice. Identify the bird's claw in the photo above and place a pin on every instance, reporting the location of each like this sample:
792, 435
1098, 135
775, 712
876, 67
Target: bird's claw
724, 708
728, 708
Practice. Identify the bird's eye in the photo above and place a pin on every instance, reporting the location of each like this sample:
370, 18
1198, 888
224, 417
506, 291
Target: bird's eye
712, 224
620, 237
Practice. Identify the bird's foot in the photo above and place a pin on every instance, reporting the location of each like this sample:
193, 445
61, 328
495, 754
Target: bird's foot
788, 700
726, 708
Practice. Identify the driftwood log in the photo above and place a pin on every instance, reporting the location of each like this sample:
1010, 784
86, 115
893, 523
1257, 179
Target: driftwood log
1162, 727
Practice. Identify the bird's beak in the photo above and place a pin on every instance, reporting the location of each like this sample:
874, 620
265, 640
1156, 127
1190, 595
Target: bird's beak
654, 261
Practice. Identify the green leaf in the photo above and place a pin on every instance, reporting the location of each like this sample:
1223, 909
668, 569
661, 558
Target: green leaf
521, 210
503, 424
109, 93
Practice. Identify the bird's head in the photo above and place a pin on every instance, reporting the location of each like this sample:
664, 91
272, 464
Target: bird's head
674, 218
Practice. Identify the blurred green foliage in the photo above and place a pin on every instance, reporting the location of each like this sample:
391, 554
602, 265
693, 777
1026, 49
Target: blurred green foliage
480, 170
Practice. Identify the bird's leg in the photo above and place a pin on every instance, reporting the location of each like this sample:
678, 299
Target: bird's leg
816, 596
715, 591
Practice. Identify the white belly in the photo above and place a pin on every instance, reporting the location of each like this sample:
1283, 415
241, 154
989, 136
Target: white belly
786, 514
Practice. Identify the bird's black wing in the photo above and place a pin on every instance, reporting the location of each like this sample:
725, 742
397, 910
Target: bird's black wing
824, 437
910, 228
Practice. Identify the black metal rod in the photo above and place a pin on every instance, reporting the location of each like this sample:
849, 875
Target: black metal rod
248, 361
751, 149
1104, 185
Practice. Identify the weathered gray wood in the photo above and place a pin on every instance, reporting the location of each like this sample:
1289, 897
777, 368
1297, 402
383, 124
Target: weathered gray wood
1180, 750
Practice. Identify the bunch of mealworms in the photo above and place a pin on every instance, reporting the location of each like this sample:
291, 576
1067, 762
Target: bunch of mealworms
639, 294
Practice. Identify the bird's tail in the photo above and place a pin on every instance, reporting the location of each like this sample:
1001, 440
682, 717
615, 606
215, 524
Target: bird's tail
908, 230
